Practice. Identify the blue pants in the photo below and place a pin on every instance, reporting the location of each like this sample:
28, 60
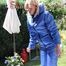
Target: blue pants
48, 57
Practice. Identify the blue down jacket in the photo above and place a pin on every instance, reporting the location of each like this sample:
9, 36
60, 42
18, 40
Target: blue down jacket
42, 28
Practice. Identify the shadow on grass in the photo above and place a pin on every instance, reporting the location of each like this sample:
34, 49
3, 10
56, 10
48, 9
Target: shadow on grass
33, 63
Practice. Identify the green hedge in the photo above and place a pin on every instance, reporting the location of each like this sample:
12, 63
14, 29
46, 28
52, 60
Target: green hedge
6, 39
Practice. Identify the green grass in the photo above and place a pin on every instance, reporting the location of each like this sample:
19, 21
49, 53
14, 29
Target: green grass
33, 63
62, 59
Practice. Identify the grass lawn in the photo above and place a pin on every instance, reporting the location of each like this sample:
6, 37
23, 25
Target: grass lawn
62, 60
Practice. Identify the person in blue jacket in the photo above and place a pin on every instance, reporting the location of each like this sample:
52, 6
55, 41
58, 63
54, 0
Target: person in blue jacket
42, 28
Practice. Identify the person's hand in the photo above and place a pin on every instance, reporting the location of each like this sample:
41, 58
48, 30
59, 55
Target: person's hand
58, 50
12, 4
28, 50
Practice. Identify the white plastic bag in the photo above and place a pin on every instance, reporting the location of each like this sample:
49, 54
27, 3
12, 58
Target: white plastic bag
11, 23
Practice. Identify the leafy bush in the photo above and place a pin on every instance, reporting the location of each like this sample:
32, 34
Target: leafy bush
59, 12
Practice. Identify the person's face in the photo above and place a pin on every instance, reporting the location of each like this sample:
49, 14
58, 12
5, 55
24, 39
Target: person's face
32, 9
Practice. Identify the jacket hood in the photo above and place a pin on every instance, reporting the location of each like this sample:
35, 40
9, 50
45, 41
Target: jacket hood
41, 8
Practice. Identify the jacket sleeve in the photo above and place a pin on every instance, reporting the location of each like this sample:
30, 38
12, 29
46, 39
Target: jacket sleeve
32, 39
52, 28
